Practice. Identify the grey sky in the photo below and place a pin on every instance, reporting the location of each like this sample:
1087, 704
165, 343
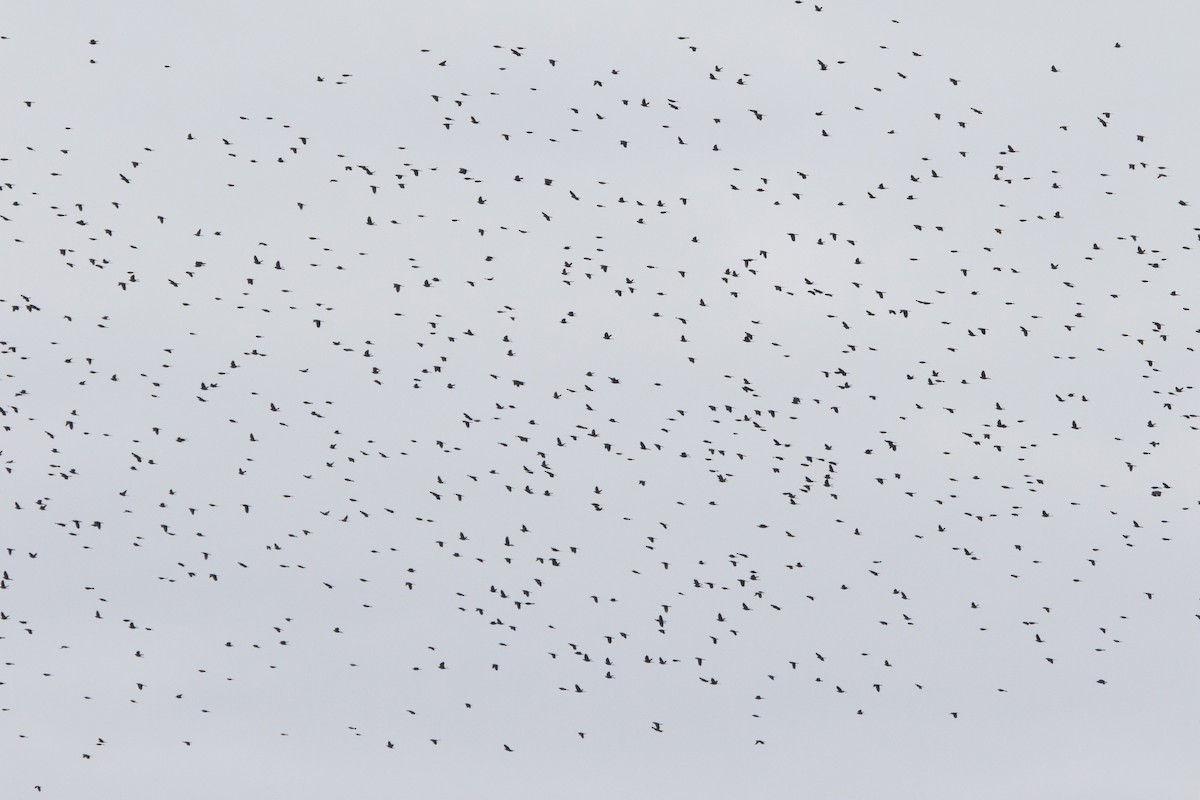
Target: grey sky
872, 396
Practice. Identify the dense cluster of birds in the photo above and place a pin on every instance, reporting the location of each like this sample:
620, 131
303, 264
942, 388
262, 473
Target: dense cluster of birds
588, 403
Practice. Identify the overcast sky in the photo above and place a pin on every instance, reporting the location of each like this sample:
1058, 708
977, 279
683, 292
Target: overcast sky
535, 399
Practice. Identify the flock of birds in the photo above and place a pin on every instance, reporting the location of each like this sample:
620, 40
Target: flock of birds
586, 404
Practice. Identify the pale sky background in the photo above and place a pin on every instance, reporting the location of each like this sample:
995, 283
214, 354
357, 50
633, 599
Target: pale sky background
868, 470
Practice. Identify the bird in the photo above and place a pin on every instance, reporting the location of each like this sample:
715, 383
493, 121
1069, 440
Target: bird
562, 420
